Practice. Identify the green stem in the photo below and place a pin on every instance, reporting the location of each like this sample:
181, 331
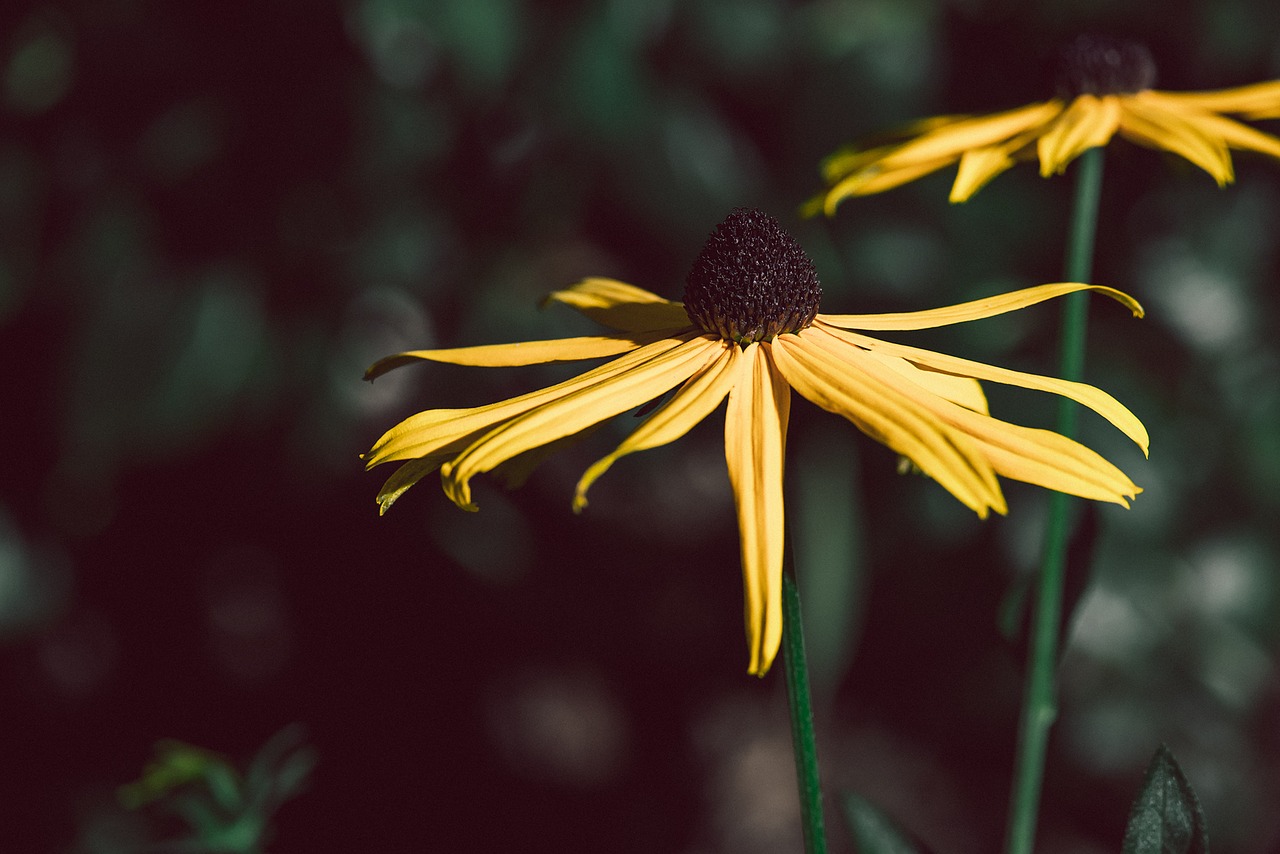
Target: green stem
1039, 702
800, 707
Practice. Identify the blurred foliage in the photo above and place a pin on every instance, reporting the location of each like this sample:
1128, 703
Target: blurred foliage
214, 217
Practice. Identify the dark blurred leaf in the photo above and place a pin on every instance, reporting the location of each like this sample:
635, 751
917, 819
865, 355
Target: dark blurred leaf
874, 832
1166, 818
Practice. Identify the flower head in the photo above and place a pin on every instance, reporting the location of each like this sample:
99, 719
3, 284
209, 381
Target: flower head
1104, 88
750, 332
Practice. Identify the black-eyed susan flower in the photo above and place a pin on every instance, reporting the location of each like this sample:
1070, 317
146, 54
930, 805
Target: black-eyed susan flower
749, 331
1104, 89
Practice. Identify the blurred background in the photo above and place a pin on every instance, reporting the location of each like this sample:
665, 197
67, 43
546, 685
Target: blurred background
213, 217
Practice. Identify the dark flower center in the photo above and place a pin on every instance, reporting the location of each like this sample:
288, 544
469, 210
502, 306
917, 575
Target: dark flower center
1103, 65
752, 281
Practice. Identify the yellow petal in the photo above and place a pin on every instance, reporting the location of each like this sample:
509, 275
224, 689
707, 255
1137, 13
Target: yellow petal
1229, 131
952, 140
1043, 457
1086, 395
834, 376
1255, 101
621, 306
973, 310
755, 437
877, 179
965, 391
519, 353
571, 413
977, 167
1237, 135
431, 431
1037, 456
1089, 122
406, 476
694, 401
1152, 123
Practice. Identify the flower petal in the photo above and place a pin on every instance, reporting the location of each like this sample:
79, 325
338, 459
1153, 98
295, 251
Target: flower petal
1086, 395
965, 391
834, 375
570, 413
519, 353
951, 140
1255, 101
1233, 133
1156, 124
755, 438
877, 179
694, 401
433, 430
621, 306
973, 310
1041, 457
979, 165
1089, 122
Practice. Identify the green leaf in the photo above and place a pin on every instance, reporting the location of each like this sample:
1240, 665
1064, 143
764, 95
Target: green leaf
1166, 817
874, 832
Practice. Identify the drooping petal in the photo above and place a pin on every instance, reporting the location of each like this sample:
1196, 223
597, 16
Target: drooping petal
755, 437
1036, 456
570, 413
1089, 122
973, 310
833, 376
694, 401
1154, 124
429, 432
621, 306
409, 474
1086, 395
978, 166
853, 158
951, 140
519, 353
965, 391
1231, 132
1255, 101
877, 179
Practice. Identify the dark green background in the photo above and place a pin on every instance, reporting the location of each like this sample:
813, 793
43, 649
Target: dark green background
214, 216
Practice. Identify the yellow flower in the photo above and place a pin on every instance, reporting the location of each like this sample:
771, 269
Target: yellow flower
1105, 89
749, 330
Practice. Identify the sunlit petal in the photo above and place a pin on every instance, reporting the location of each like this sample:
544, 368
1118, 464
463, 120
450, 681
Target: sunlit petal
519, 353
877, 179
1086, 395
434, 429
834, 379
694, 401
1089, 122
955, 138
1150, 123
973, 310
571, 413
965, 391
621, 306
1255, 101
755, 436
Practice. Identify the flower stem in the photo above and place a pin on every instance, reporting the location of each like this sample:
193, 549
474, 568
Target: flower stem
1039, 702
800, 707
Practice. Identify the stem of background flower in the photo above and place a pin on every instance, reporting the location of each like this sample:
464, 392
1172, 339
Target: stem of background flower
1039, 701
800, 707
